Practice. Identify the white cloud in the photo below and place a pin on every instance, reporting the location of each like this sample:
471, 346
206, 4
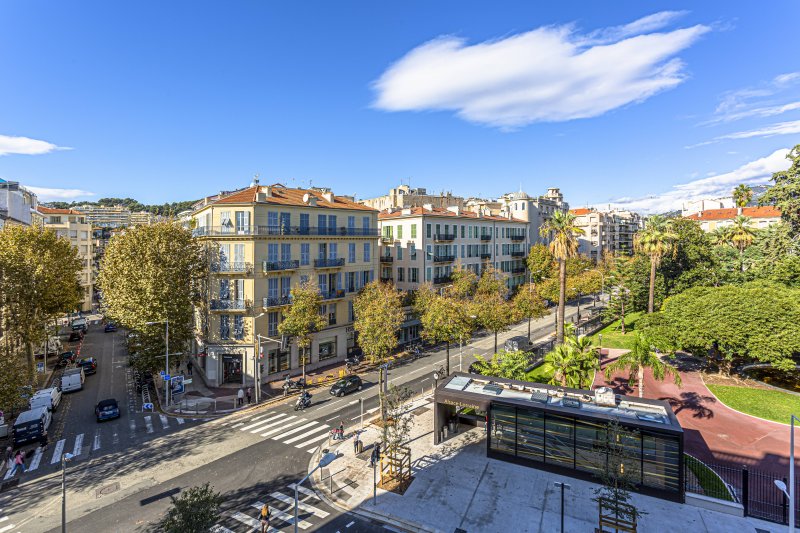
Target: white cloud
25, 146
781, 128
754, 173
47, 194
761, 101
549, 74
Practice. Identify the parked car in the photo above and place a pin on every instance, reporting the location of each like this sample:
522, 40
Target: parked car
76, 336
72, 379
89, 365
80, 324
520, 343
31, 426
49, 398
110, 328
346, 386
106, 410
65, 358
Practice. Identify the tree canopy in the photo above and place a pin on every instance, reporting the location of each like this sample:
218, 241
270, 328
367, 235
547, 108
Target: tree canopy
378, 316
785, 193
303, 318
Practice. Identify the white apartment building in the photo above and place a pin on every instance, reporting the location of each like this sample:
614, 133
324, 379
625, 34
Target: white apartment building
263, 241
72, 225
106, 216
404, 196
606, 232
760, 217
142, 218
17, 204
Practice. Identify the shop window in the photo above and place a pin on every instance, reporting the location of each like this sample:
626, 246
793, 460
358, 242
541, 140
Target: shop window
327, 350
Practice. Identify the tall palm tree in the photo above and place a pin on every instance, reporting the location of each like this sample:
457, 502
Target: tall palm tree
742, 195
721, 236
742, 235
562, 359
586, 361
639, 358
563, 232
655, 240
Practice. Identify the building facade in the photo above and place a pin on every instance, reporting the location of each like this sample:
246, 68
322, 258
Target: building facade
760, 217
142, 218
72, 225
606, 232
17, 204
263, 240
404, 196
106, 216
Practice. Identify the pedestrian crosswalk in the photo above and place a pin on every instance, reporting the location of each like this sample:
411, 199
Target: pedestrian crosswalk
5, 525
294, 430
281, 506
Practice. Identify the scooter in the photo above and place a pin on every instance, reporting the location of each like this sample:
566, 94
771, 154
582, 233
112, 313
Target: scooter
303, 401
288, 385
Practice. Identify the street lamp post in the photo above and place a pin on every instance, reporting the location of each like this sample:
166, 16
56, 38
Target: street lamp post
324, 461
563, 486
65, 457
166, 381
781, 485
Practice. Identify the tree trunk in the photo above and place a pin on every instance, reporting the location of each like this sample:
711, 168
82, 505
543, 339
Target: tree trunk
562, 296
622, 313
529, 329
447, 361
495, 342
651, 295
741, 258
382, 402
640, 377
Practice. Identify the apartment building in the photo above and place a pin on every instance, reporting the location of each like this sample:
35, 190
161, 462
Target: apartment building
17, 204
142, 218
263, 241
72, 225
606, 231
404, 196
760, 217
106, 216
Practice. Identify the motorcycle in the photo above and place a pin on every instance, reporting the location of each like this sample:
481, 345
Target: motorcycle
302, 402
288, 385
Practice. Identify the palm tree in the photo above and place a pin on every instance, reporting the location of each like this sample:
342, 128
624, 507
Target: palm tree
721, 236
639, 358
742, 235
586, 362
562, 359
655, 240
742, 195
562, 230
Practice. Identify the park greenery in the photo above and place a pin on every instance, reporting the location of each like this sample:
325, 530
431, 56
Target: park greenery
785, 192
641, 356
151, 274
774, 405
166, 209
574, 361
444, 317
195, 509
511, 364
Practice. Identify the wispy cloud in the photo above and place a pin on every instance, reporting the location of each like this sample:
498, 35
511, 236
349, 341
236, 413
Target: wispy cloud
26, 146
47, 194
764, 100
770, 130
717, 186
549, 74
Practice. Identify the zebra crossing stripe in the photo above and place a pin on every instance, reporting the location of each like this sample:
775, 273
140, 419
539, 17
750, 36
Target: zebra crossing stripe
262, 423
312, 441
3, 518
307, 434
37, 458
180, 421
280, 428
295, 430
219, 529
303, 490
132, 424
300, 505
96, 445
149, 423
6, 528
246, 520
59, 449
164, 421
8, 474
78, 448
280, 515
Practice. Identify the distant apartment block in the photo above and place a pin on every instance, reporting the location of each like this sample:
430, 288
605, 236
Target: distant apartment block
106, 216
17, 204
263, 240
698, 206
72, 225
142, 218
761, 217
404, 196
606, 232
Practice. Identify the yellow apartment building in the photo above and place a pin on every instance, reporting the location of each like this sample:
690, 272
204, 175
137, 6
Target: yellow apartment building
262, 241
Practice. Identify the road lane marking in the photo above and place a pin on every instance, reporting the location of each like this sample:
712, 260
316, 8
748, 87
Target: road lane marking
278, 423
312, 441
180, 421
37, 458
350, 524
164, 421
132, 425
280, 515
307, 434
353, 402
303, 490
57, 451
96, 445
116, 438
295, 430
220, 529
6, 528
246, 520
263, 423
331, 418
149, 423
300, 505
78, 448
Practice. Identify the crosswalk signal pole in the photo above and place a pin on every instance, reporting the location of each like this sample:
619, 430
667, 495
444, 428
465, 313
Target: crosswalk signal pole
361, 401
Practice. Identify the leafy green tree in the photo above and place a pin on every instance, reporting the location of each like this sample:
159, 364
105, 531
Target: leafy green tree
541, 263
152, 274
443, 318
303, 319
742, 235
637, 359
742, 195
655, 240
574, 361
528, 304
492, 310
785, 194
504, 364
378, 317
563, 232
463, 284
38, 282
195, 509
620, 279
721, 236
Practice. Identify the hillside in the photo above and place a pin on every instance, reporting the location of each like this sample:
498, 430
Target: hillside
165, 209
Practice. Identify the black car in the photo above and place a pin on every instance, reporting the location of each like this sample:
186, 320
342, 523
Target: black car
346, 386
66, 358
89, 365
110, 328
75, 336
106, 410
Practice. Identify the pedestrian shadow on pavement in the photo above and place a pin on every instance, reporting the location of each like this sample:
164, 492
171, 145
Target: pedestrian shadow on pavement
691, 401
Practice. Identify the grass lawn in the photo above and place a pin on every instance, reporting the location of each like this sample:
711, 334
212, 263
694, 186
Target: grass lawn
541, 374
612, 335
769, 404
711, 483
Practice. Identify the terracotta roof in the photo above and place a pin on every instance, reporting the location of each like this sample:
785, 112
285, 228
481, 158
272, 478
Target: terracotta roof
580, 211
284, 196
766, 211
43, 209
438, 212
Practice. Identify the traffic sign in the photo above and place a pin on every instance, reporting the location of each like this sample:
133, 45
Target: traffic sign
177, 385
162, 373
166, 377
40, 367
147, 406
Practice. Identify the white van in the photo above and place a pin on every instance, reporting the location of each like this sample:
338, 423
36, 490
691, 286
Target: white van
31, 426
51, 346
49, 398
72, 379
80, 324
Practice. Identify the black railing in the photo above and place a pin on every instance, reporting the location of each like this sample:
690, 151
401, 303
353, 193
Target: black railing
486, 237
518, 270
517, 253
444, 258
518, 238
442, 279
232, 305
328, 263
291, 264
231, 231
486, 256
444, 236
231, 267
387, 278
387, 259
330, 295
277, 301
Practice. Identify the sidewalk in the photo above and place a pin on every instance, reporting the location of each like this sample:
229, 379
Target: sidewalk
456, 486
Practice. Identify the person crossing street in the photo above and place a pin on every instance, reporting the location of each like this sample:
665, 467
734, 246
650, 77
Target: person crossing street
266, 513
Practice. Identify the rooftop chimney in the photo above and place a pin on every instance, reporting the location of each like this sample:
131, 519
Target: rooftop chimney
427, 207
454, 209
328, 195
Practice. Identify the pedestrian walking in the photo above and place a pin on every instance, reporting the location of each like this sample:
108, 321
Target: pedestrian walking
249, 395
189, 368
355, 444
265, 515
373, 457
240, 397
9, 457
19, 462
341, 430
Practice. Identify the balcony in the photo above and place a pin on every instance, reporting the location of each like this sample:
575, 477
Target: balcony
332, 295
485, 256
518, 238
274, 266
486, 237
387, 279
230, 231
517, 253
387, 239
442, 279
277, 301
444, 258
387, 259
444, 237
329, 263
223, 231
229, 305
518, 270
228, 267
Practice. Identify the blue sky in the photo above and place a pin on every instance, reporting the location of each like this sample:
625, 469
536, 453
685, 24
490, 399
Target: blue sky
643, 104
